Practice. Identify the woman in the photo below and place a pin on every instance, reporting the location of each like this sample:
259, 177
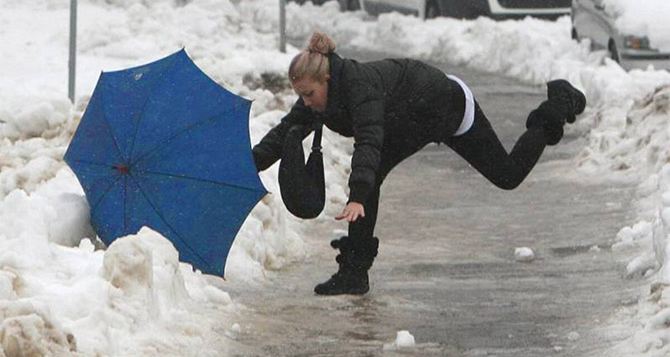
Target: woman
393, 108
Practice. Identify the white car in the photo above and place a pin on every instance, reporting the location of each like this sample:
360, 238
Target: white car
595, 20
427, 9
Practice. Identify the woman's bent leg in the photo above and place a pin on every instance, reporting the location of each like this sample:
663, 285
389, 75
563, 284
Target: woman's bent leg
481, 148
364, 228
357, 252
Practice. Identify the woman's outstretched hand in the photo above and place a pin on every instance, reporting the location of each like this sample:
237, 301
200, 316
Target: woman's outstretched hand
351, 212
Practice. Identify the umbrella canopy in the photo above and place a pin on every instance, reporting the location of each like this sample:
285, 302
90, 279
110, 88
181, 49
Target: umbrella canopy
162, 145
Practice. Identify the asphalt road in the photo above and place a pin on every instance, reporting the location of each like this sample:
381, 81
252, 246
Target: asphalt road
446, 270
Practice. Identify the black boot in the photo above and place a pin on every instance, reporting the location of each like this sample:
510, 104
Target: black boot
563, 93
354, 262
550, 118
563, 103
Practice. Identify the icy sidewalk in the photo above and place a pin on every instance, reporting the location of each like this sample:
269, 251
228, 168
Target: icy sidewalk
446, 270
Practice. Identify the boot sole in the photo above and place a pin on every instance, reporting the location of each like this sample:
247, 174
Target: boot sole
338, 292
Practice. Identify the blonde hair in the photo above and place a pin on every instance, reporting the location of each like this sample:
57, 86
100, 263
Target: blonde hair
312, 62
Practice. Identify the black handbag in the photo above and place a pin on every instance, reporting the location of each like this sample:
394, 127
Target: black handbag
301, 184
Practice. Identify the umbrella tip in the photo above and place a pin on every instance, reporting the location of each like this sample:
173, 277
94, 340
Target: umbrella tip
121, 168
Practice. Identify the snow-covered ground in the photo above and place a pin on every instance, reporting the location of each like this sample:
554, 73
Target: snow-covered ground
59, 293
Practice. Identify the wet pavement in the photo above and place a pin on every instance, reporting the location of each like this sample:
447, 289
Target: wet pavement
446, 270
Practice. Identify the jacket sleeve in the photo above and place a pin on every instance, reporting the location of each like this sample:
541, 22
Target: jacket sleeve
366, 106
269, 149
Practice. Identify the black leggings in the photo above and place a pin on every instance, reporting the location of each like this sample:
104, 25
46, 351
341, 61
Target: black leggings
482, 149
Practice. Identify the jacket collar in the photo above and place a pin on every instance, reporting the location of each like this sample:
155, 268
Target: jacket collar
334, 83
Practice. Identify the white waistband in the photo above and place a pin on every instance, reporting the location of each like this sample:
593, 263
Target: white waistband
469, 114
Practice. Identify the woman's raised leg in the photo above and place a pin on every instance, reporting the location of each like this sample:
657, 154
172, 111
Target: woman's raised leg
481, 148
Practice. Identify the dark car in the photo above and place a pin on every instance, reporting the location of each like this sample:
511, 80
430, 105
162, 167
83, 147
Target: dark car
464, 8
315, 2
345, 5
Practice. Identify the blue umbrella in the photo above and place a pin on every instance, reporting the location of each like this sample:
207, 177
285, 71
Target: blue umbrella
162, 145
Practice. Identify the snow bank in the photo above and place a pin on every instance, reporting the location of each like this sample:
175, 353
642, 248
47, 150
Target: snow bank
58, 292
36, 123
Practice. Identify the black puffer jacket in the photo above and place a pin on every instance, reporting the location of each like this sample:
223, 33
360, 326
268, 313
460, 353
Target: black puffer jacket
392, 108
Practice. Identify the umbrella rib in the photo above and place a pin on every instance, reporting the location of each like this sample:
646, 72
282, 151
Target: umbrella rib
109, 126
125, 203
137, 127
146, 197
204, 180
94, 163
161, 144
109, 188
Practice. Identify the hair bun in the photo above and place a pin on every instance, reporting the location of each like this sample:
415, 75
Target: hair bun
321, 43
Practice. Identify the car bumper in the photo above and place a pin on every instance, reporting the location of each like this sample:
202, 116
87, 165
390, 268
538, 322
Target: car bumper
521, 15
644, 59
497, 9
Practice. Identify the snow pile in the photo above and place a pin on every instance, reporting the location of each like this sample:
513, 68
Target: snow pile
652, 236
403, 340
146, 292
58, 292
42, 120
33, 141
524, 254
640, 235
28, 330
530, 49
36, 124
630, 137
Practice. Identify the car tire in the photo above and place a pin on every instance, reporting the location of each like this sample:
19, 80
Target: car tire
614, 52
432, 9
350, 5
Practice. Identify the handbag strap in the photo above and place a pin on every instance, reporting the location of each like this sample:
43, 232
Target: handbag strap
318, 131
